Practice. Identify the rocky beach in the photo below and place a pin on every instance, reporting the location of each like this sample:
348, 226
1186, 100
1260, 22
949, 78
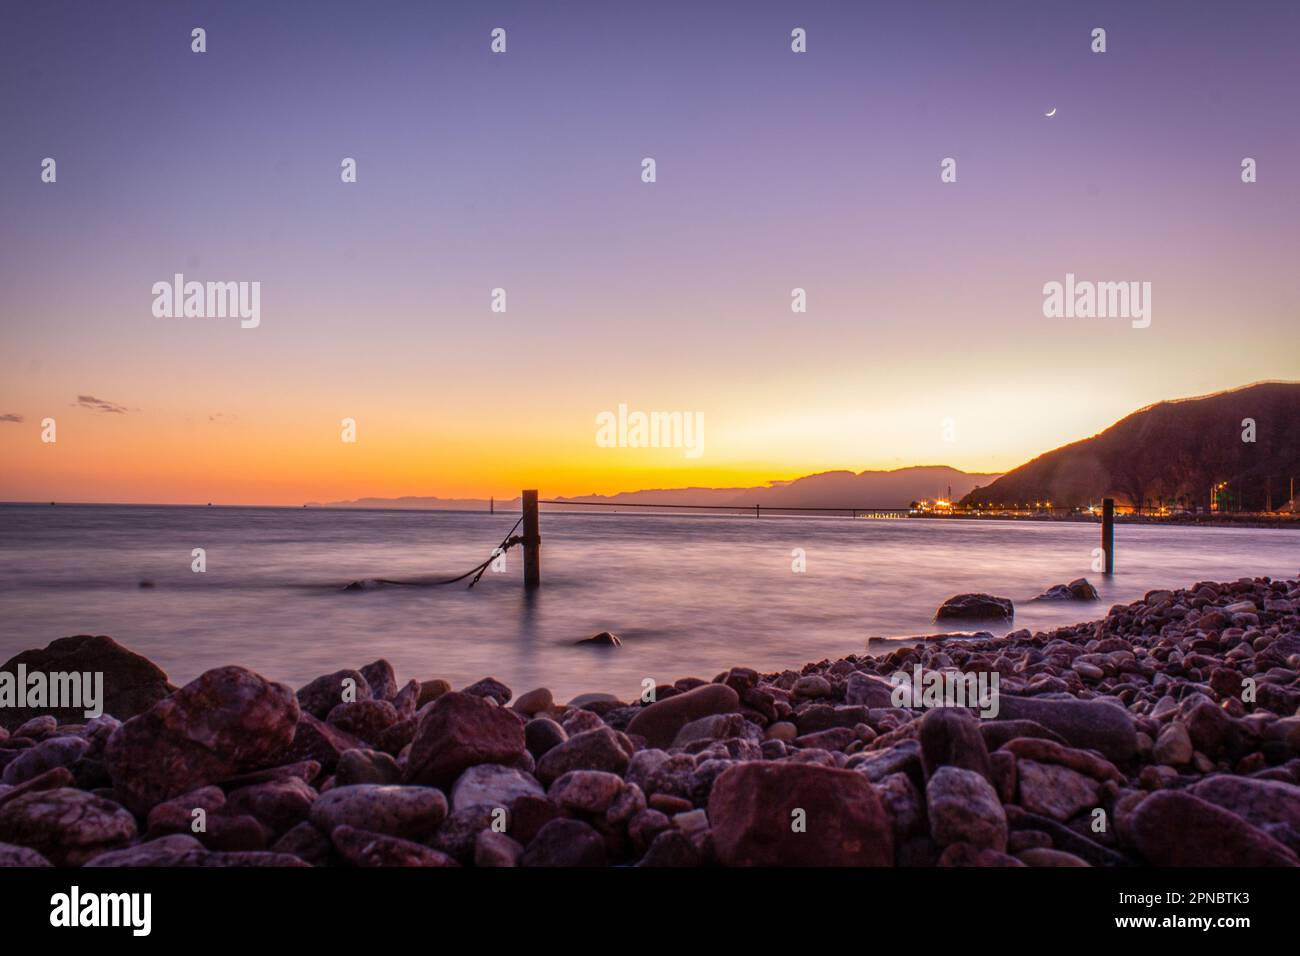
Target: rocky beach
1162, 733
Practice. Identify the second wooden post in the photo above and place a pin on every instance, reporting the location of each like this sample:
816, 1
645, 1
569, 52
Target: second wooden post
1108, 533
532, 542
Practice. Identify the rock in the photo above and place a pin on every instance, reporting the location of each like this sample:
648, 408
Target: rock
366, 766
998, 732
1046, 856
328, 691
66, 826
867, 691
492, 849
1174, 828
754, 808
660, 722
603, 639
950, 736
49, 753
1088, 671
586, 791
361, 848
781, 730
38, 728
1089, 724
535, 701
491, 785
314, 740
564, 842
1049, 751
1173, 746
811, 687
976, 607
431, 690
458, 731
226, 721
406, 700
177, 814
180, 849
583, 701
50, 780
963, 807
671, 848
278, 804
599, 749
713, 727
491, 688
968, 855
1055, 791
381, 678
176, 849
1260, 802
458, 833
1212, 730
132, 684
306, 843
366, 719
1077, 590
528, 815
407, 812
541, 734
13, 856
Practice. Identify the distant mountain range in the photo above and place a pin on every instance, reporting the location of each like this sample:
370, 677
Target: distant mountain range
831, 489
1177, 453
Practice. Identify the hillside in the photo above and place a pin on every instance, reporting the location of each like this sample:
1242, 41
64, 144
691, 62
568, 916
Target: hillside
1173, 453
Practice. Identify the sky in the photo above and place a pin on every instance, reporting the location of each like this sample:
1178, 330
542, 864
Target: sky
924, 339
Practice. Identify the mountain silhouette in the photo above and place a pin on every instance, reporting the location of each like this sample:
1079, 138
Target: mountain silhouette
1176, 453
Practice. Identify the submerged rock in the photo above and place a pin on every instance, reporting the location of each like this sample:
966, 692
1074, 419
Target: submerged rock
603, 639
976, 607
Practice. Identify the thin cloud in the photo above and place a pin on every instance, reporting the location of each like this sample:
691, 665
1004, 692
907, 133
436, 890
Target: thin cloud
100, 405
10, 417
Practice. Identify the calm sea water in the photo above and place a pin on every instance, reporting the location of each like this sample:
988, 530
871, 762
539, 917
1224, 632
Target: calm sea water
689, 595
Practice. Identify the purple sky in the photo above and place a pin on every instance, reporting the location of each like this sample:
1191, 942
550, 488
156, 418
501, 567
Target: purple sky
775, 170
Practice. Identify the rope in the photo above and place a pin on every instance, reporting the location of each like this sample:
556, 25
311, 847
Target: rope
508, 542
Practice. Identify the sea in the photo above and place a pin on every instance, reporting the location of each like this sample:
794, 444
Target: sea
687, 594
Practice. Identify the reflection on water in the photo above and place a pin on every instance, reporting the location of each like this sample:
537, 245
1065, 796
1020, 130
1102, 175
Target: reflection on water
689, 595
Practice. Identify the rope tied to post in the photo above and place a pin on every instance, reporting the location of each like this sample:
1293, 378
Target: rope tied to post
509, 541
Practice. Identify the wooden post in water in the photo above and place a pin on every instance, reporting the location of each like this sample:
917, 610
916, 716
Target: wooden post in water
532, 542
1108, 533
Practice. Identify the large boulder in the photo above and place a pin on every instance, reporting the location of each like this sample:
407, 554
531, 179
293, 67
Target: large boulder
1175, 828
660, 722
457, 731
976, 607
224, 722
791, 814
132, 684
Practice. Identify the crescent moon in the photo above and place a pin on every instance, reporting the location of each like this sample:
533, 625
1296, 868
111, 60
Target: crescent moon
1052, 113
